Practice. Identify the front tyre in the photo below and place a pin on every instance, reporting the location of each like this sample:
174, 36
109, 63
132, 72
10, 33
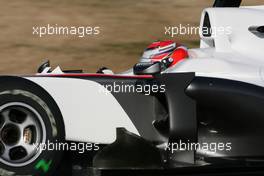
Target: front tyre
31, 126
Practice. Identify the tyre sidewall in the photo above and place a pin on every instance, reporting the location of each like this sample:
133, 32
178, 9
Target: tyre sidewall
35, 97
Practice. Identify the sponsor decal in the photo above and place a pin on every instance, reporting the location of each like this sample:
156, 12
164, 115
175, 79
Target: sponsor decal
43, 165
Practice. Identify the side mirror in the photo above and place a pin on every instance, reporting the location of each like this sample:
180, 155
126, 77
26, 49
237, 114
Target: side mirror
43, 66
147, 68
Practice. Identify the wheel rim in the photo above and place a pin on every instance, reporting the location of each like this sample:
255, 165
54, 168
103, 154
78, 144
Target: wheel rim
22, 130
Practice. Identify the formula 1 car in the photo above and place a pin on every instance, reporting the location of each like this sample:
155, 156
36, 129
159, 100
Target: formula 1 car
205, 110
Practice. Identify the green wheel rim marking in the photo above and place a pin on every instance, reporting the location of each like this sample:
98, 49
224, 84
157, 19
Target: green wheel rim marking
43, 165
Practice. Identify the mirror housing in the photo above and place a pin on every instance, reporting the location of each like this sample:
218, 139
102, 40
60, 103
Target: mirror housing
147, 68
43, 66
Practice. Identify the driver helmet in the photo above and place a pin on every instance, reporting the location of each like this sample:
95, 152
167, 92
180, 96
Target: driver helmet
168, 52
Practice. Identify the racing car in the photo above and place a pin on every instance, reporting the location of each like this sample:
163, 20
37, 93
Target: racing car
205, 109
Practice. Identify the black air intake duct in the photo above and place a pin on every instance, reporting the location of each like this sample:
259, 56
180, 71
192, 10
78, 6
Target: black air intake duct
227, 3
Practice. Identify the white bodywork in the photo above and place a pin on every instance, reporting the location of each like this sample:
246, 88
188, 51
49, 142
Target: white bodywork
235, 56
90, 113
